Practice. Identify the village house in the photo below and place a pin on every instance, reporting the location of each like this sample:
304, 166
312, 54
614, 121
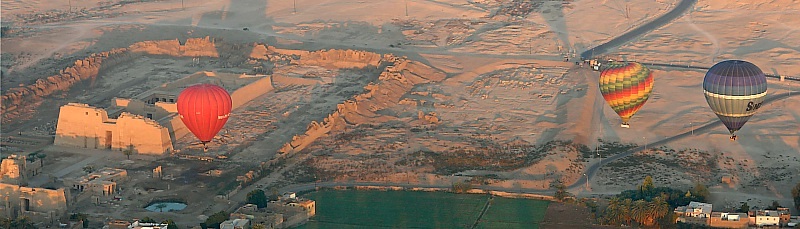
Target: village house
694, 213
101, 183
779, 217
728, 220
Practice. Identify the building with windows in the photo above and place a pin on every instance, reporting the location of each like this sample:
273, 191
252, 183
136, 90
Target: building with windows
695, 213
38, 204
149, 122
728, 220
101, 183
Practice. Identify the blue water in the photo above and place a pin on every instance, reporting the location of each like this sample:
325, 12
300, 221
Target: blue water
169, 206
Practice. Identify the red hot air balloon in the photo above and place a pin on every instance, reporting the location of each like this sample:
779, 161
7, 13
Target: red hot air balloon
204, 109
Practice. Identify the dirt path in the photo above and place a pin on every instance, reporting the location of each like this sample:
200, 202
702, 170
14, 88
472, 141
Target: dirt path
485, 208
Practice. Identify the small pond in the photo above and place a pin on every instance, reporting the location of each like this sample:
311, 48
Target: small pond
165, 206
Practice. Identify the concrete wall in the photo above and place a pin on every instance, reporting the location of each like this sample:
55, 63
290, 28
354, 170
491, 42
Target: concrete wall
80, 125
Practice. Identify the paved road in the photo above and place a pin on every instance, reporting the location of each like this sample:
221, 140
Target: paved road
592, 170
792, 78
676, 12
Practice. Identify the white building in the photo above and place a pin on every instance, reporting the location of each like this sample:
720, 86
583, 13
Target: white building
235, 224
768, 218
138, 225
695, 209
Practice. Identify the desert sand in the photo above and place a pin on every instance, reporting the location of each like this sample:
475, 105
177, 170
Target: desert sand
482, 81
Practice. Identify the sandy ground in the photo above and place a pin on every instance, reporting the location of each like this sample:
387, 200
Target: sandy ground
505, 85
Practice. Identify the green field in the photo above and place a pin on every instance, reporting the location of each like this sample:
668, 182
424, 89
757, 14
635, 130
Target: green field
403, 209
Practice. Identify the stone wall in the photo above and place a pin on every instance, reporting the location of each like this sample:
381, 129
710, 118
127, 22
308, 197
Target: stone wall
80, 125
43, 205
86, 68
398, 78
340, 58
12, 170
194, 47
90, 67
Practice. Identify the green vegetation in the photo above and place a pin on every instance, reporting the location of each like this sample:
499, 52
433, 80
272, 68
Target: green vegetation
461, 187
18, 223
649, 205
88, 169
170, 224
258, 198
128, 151
487, 155
796, 196
402, 209
514, 213
214, 220
80, 217
229, 186
561, 193
147, 219
605, 149
744, 208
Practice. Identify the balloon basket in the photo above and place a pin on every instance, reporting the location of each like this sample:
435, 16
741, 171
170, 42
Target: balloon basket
733, 138
625, 125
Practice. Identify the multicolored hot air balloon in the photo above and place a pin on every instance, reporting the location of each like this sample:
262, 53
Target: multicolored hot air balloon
626, 87
204, 109
735, 89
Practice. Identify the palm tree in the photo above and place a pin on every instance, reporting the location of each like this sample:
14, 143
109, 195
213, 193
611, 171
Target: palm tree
129, 151
625, 212
5, 222
613, 213
640, 211
88, 169
658, 209
161, 207
41, 157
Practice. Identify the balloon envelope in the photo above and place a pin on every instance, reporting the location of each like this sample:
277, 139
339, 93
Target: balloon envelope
734, 90
626, 87
204, 109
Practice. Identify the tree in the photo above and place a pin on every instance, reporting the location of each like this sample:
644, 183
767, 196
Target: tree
88, 169
214, 220
561, 192
640, 211
161, 207
21, 222
775, 205
80, 217
612, 214
170, 224
744, 208
796, 195
656, 209
41, 157
258, 198
147, 219
129, 151
701, 191
647, 185
259, 226
274, 196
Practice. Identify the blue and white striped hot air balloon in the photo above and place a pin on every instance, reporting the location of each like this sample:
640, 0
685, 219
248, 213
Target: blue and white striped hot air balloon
735, 89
